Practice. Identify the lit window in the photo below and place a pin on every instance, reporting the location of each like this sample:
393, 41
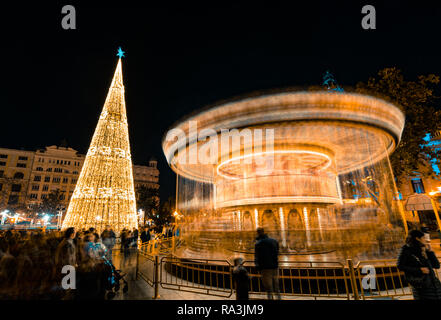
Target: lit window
417, 185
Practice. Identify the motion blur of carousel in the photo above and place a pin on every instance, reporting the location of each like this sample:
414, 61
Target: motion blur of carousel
312, 168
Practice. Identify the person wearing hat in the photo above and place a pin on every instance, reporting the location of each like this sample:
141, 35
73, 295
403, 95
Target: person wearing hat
418, 261
240, 279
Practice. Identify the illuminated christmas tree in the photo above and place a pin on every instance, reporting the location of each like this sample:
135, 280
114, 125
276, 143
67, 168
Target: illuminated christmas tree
104, 194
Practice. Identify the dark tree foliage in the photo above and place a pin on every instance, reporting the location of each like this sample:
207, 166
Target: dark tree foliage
6, 184
147, 199
162, 214
417, 101
165, 214
52, 203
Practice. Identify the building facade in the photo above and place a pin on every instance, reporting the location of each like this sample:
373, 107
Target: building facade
15, 172
421, 183
54, 168
28, 177
147, 176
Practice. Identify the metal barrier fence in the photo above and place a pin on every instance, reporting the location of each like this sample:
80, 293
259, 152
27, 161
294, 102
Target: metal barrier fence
368, 279
147, 267
158, 246
145, 264
211, 277
385, 280
381, 278
306, 279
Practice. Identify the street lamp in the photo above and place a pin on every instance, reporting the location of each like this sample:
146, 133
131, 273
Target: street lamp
60, 213
141, 214
435, 209
45, 220
176, 216
16, 218
4, 215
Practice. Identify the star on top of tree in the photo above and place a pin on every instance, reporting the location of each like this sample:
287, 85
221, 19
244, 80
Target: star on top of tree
120, 53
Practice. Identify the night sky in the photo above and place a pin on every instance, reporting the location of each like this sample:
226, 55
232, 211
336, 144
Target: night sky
182, 57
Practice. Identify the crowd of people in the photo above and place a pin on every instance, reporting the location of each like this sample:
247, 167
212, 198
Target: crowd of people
27, 263
31, 262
